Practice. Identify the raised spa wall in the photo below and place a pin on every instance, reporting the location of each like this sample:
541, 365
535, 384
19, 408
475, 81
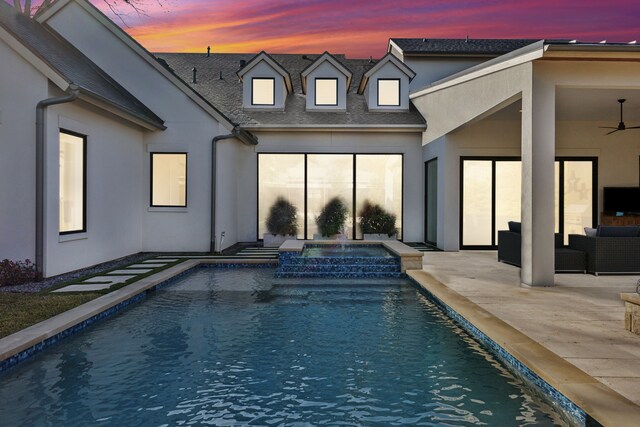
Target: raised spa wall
410, 259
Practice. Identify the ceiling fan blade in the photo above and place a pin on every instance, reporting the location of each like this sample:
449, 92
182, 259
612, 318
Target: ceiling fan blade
633, 127
607, 127
613, 131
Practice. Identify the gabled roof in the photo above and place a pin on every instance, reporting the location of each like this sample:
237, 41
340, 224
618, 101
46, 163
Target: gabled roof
71, 66
265, 57
465, 47
325, 57
179, 82
218, 82
401, 66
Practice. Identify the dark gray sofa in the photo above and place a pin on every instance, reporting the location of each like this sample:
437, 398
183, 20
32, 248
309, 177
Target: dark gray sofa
509, 251
612, 250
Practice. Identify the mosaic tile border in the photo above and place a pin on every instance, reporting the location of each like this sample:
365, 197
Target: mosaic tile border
557, 399
51, 341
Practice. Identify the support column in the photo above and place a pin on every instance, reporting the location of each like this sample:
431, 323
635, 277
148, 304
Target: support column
538, 178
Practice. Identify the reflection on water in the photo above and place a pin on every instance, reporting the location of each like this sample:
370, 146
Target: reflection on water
230, 347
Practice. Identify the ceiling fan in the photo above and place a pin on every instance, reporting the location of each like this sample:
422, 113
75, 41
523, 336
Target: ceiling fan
621, 125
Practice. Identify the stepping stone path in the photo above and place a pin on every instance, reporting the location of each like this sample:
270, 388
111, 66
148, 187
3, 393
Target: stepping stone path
131, 272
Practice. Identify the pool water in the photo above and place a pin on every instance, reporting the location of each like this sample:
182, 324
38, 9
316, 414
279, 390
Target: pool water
357, 250
237, 347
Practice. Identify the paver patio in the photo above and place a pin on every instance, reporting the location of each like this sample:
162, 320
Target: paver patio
581, 319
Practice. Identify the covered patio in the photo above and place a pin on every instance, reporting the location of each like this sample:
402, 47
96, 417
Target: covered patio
541, 108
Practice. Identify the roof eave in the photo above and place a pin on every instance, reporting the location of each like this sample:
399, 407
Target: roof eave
118, 110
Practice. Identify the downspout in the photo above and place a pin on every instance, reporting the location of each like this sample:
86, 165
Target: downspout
246, 138
73, 92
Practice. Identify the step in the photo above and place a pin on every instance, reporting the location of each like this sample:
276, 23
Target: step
354, 268
340, 260
338, 274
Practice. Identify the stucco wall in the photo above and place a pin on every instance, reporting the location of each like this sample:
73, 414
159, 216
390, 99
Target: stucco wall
114, 196
189, 129
408, 144
21, 87
429, 70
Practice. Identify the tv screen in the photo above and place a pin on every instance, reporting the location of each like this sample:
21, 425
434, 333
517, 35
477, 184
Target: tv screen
622, 199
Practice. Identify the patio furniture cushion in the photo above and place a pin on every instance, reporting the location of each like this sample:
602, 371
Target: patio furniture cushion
618, 231
514, 226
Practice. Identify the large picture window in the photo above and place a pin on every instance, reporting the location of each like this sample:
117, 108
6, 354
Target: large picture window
491, 197
326, 91
309, 181
72, 182
168, 179
263, 91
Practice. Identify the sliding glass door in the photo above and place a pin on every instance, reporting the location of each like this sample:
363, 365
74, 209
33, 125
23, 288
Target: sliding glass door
309, 181
491, 192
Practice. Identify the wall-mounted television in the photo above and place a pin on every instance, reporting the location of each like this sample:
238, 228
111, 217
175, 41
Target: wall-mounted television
621, 199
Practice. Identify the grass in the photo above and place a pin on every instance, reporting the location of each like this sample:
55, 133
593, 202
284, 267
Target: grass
19, 311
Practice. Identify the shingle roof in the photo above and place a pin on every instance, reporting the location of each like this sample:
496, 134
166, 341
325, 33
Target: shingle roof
226, 93
72, 64
460, 46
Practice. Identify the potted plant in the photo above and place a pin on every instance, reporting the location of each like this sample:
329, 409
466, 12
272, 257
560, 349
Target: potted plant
331, 219
376, 223
282, 223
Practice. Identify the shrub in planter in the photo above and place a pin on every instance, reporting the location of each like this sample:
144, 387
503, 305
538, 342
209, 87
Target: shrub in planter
16, 272
375, 220
282, 218
332, 217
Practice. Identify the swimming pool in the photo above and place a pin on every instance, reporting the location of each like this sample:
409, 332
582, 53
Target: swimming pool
229, 347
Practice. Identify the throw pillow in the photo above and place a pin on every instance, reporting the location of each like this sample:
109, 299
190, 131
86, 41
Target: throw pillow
516, 227
590, 232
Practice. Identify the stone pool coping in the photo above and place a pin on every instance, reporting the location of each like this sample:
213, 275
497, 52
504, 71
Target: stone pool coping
410, 258
36, 335
600, 402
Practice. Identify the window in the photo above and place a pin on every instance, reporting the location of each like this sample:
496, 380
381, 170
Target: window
389, 92
308, 181
263, 91
491, 193
326, 91
72, 176
169, 179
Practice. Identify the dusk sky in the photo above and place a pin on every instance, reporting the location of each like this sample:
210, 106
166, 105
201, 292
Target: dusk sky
362, 28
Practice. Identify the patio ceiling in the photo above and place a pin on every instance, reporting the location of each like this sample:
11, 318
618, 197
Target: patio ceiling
580, 104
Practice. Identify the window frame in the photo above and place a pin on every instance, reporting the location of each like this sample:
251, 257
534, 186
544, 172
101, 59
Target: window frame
273, 80
494, 159
315, 92
354, 194
84, 182
186, 178
378, 92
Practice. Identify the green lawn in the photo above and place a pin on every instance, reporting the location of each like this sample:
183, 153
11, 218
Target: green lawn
18, 311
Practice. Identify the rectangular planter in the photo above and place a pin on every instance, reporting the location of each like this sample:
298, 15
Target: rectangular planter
274, 241
380, 237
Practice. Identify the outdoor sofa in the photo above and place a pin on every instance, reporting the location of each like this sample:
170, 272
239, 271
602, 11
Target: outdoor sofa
613, 249
509, 251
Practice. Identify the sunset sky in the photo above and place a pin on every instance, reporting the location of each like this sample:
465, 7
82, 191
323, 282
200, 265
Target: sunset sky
362, 28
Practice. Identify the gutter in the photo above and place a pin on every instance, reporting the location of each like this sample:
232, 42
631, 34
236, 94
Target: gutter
73, 92
246, 138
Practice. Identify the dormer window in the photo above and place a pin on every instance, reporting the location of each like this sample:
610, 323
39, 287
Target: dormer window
263, 91
326, 83
385, 85
326, 91
265, 83
389, 92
